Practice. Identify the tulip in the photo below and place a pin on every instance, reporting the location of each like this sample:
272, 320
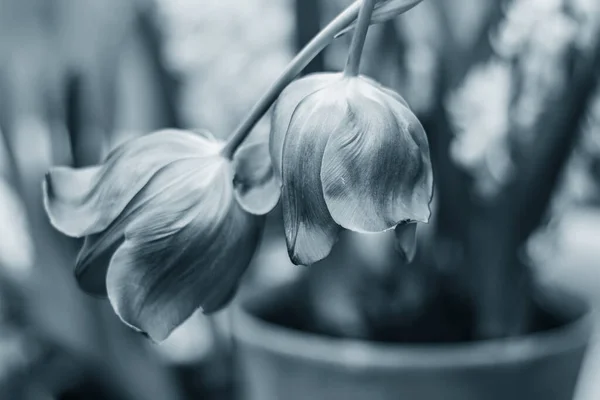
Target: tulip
170, 224
350, 154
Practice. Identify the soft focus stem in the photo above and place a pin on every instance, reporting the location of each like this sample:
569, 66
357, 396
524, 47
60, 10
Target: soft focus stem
358, 40
308, 53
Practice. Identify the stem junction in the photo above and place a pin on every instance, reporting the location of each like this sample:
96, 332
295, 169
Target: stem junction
306, 55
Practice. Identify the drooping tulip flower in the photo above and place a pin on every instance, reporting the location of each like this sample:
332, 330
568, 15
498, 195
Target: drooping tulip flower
170, 224
350, 154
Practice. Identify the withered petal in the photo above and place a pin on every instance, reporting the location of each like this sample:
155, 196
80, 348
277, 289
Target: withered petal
286, 105
187, 249
256, 187
374, 174
81, 202
309, 229
94, 257
406, 241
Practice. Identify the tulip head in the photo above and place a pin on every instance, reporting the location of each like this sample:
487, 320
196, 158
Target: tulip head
350, 154
170, 225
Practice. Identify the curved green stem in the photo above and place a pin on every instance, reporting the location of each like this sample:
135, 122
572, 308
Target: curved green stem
310, 51
358, 40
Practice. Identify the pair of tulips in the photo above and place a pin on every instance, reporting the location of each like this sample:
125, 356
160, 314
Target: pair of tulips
171, 221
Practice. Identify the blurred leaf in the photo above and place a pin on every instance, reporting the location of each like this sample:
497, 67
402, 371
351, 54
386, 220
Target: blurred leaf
16, 246
146, 21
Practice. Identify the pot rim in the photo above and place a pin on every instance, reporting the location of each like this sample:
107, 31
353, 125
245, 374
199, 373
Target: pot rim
356, 353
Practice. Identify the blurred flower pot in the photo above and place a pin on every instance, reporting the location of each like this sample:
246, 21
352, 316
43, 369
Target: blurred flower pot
277, 362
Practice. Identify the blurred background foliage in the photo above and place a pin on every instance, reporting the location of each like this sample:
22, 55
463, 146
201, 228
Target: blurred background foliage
78, 77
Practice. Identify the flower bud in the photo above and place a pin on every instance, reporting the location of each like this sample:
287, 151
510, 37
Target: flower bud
165, 231
350, 154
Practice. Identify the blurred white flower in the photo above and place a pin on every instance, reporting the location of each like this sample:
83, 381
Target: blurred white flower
466, 18
423, 43
479, 113
543, 67
521, 21
250, 43
587, 13
501, 101
537, 34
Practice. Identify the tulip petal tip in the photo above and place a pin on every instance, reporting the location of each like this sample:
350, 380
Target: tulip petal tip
48, 200
155, 332
296, 259
156, 340
308, 247
146, 336
406, 241
257, 188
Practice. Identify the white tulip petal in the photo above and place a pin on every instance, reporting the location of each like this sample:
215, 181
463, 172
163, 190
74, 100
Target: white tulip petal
285, 107
188, 249
409, 123
94, 258
80, 202
374, 173
310, 231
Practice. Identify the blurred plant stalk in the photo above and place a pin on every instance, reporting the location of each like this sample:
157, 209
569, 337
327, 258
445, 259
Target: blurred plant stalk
493, 227
58, 70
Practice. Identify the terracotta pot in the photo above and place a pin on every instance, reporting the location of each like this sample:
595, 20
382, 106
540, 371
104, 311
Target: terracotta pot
276, 362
